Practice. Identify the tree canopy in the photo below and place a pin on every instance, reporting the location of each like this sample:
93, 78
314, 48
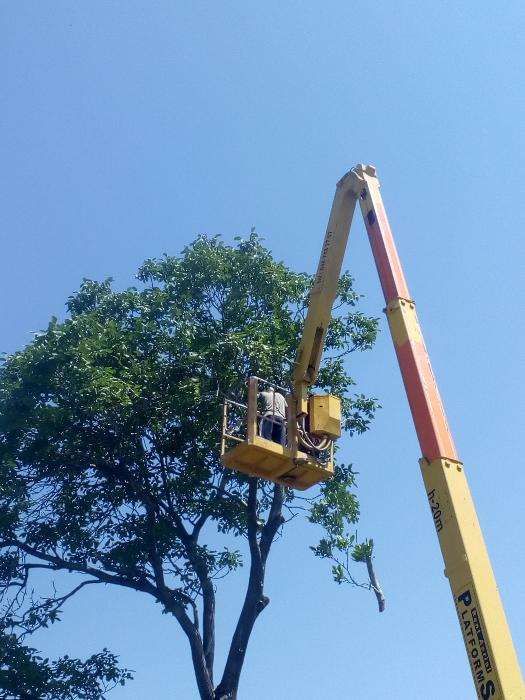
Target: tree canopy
109, 446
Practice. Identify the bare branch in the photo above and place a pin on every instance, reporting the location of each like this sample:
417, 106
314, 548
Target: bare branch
374, 583
220, 488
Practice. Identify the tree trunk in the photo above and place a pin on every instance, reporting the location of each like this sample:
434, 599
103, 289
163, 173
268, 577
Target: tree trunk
254, 604
255, 601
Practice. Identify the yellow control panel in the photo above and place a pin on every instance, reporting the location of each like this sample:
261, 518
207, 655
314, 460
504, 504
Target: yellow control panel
325, 415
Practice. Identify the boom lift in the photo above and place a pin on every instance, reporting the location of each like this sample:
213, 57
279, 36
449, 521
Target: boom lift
314, 422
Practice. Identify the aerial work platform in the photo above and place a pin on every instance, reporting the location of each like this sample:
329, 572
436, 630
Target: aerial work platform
275, 462
304, 455
255, 455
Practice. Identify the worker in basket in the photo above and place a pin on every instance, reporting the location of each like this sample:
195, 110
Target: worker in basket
272, 407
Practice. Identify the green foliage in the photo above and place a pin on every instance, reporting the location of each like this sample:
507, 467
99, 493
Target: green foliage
110, 422
363, 551
336, 511
25, 674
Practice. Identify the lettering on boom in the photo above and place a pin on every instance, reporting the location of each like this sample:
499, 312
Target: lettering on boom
435, 509
322, 259
467, 607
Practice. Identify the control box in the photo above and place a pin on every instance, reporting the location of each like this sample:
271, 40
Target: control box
325, 415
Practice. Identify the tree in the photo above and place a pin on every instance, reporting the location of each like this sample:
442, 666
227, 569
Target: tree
109, 434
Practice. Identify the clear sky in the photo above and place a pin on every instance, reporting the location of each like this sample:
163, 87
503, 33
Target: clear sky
128, 127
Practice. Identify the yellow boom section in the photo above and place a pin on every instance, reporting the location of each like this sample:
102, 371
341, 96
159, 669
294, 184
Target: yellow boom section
322, 294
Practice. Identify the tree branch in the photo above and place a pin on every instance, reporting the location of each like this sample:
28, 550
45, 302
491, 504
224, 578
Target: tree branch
208, 593
253, 523
60, 563
29, 621
220, 488
204, 682
274, 522
374, 583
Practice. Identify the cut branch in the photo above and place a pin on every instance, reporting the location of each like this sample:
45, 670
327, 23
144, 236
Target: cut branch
374, 583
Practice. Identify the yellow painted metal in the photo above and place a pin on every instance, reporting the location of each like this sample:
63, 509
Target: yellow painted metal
493, 660
402, 319
291, 426
323, 293
324, 411
270, 460
255, 456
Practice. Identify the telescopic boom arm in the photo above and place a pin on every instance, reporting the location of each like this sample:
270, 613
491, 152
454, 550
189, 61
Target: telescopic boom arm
322, 295
493, 661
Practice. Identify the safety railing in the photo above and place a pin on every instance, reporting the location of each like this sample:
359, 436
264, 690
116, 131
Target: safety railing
241, 422
227, 427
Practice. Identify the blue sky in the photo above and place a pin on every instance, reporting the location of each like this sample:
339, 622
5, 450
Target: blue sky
129, 127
